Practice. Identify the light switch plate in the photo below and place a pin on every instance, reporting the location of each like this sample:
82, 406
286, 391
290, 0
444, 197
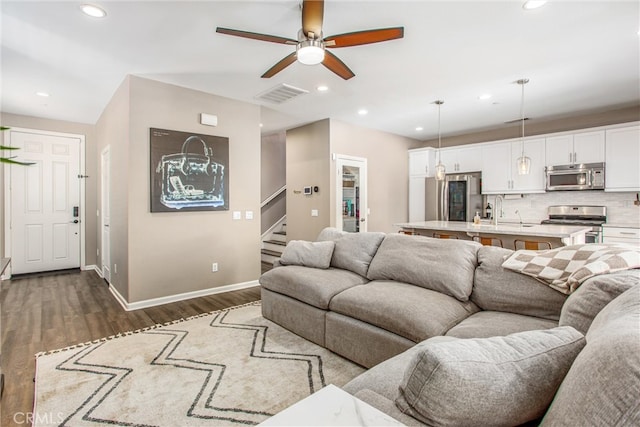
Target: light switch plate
237, 215
314, 212
248, 215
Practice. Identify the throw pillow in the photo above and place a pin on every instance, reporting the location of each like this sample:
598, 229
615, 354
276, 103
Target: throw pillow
488, 381
308, 254
354, 251
565, 268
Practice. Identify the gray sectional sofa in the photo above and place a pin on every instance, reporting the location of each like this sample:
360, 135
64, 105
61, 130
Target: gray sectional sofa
452, 338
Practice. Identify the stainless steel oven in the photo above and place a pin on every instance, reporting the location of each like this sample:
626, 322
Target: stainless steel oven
590, 216
583, 176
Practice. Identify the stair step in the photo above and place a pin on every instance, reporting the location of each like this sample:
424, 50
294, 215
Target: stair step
276, 242
270, 252
281, 233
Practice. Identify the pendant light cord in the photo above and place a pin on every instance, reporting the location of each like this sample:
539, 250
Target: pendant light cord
524, 81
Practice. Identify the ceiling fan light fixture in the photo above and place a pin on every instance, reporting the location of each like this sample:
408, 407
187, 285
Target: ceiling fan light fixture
310, 52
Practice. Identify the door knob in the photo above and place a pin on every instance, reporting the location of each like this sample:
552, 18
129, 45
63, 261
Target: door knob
75, 221
361, 219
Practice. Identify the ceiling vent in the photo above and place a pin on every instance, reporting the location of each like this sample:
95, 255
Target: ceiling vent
281, 93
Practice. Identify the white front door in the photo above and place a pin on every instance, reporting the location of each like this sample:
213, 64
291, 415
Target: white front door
351, 194
45, 202
106, 217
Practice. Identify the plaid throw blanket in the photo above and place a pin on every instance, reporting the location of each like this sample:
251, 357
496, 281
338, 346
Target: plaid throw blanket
564, 269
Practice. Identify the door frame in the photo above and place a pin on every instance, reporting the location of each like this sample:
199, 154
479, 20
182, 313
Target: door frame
7, 192
364, 210
105, 192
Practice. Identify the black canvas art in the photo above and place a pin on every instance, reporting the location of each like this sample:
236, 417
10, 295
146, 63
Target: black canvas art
189, 172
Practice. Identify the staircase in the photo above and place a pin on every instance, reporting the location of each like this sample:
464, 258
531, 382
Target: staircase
272, 246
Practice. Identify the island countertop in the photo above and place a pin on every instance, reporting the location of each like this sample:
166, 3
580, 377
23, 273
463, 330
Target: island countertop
513, 229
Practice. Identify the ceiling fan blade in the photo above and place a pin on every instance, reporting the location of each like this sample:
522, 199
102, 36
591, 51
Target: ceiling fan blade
336, 65
281, 65
256, 36
312, 15
364, 37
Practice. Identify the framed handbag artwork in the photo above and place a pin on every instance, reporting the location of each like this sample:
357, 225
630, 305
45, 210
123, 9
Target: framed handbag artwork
189, 171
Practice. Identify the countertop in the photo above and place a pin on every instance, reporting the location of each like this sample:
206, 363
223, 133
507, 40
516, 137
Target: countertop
622, 225
515, 229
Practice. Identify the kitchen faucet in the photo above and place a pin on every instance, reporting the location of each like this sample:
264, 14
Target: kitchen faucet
498, 212
519, 216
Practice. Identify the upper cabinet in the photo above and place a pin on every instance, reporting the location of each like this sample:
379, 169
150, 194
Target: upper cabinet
499, 171
462, 159
422, 162
568, 149
622, 172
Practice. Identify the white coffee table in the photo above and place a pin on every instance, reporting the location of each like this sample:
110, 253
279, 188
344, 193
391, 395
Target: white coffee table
331, 406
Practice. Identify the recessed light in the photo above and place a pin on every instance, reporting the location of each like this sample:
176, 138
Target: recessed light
484, 96
42, 94
93, 10
261, 124
322, 88
419, 128
363, 112
533, 4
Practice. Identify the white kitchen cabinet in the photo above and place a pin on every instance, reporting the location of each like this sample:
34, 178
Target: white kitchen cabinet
568, 149
462, 159
422, 162
627, 235
622, 170
499, 171
421, 166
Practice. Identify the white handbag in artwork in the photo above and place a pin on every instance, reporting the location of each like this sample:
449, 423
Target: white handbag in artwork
191, 179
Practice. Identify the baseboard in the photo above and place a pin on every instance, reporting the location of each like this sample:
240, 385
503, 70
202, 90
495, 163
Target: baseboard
92, 267
178, 297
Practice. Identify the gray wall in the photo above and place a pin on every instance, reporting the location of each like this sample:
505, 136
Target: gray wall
273, 175
387, 171
308, 165
172, 253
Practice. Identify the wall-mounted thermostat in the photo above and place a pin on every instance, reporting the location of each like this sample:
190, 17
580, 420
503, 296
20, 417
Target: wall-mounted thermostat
307, 191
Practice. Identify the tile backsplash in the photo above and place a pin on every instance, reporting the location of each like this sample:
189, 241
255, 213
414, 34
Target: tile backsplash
533, 207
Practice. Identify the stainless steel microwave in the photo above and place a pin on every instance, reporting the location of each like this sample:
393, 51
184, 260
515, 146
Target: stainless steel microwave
582, 176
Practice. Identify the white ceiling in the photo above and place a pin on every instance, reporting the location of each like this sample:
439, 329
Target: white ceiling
581, 56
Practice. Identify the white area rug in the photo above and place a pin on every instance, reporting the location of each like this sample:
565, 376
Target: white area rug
231, 367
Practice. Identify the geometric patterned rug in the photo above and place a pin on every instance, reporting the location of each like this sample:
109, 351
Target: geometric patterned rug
230, 367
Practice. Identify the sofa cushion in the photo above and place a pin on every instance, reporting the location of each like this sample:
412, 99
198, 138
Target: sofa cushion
585, 303
498, 289
485, 324
446, 266
310, 285
308, 254
603, 385
354, 251
410, 311
488, 381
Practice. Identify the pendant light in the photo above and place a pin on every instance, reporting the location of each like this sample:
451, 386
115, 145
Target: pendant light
440, 169
524, 162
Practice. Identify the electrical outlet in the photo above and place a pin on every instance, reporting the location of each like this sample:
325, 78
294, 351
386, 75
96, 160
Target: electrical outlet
214, 267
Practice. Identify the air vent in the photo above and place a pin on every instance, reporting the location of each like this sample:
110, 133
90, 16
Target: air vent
281, 93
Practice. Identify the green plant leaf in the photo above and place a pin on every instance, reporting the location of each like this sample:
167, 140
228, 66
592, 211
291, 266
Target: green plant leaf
14, 162
4, 147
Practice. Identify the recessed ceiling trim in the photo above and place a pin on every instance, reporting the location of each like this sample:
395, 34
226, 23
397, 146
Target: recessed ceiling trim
281, 93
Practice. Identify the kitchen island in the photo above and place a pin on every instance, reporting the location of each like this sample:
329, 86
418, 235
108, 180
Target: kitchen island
556, 235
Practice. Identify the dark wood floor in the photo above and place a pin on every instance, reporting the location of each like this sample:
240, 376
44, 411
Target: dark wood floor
54, 311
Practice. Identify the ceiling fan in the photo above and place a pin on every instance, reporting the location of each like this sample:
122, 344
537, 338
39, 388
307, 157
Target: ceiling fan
311, 46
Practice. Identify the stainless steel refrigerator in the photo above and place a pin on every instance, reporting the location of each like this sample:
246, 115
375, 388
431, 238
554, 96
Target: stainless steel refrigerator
457, 198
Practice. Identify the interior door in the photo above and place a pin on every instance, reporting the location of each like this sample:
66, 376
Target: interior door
45, 203
106, 213
351, 194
